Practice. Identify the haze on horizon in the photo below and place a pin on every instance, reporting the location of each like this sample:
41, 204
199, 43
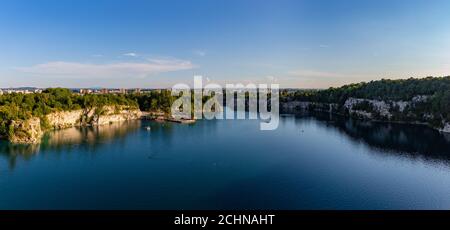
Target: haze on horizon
155, 44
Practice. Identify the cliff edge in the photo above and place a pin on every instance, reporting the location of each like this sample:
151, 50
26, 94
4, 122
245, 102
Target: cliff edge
31, 131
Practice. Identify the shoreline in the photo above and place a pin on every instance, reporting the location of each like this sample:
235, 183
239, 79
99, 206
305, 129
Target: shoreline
369, 120
32, 130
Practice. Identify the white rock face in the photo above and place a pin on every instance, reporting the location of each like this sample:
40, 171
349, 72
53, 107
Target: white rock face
113, 115
446, 128
27, 132
380, 106
65, 119
110, 114
383, 107
30, 131
420, 98
401, 105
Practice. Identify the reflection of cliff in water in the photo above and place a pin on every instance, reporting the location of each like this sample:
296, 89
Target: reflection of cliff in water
87, 138
413, 141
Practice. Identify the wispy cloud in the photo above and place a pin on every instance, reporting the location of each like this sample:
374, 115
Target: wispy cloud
131, 54
314, 74
200, 53
123, 69
324, 46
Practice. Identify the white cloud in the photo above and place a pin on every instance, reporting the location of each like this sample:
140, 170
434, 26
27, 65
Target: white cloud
130, 54
123, 69
200, 53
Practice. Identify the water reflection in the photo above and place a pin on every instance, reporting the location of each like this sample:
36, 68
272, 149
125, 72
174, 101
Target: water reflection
412, 141
87, 138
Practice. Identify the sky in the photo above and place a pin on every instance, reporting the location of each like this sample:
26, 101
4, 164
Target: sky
156, 44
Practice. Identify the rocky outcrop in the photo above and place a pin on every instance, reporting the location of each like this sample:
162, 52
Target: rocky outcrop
92, 116
446, 128
30, 131
380, 107
112, 114
65, 119
379, 110
25, 132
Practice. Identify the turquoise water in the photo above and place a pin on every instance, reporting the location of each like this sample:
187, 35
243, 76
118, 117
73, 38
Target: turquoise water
309, 162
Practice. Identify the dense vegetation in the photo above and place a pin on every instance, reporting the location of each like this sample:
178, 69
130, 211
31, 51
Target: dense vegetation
396, 90
16, 106
436, 107
433, 110
156, 100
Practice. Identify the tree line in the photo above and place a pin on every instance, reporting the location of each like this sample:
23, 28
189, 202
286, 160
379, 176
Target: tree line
436, 107
17, 106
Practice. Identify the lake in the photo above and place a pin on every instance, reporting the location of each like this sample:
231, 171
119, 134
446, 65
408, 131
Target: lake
309, 162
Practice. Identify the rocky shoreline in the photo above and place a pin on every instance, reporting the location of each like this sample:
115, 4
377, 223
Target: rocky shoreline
31, 131
380, 111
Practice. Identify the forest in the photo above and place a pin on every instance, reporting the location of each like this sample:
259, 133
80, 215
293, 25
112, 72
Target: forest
436, 89
436, 108
18, 106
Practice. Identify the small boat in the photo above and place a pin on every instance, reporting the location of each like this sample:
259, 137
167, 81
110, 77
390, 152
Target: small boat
181, 120
148, 128
188, 121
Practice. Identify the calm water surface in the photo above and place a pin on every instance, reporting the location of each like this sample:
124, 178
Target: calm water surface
309, 162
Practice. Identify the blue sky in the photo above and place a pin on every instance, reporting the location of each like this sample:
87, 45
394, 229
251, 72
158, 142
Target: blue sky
305, 44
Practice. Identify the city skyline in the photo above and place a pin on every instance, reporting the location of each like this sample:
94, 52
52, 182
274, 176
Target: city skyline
156, 44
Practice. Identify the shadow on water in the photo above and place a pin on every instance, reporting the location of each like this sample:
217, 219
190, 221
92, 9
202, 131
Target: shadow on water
63, 141
404, 140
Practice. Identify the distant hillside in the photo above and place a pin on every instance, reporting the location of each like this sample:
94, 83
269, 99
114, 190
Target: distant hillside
425, 100
403, 89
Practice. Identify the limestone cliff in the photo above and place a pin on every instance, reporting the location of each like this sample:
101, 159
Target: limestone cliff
379, 110
64, 119
28, 131
92, 116
31, 131
446, 128
113, 114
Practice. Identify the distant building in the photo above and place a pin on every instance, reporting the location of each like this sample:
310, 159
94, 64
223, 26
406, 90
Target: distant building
9, 91
85, 91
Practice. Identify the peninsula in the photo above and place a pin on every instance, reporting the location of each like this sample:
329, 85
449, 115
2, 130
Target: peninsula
25, 117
